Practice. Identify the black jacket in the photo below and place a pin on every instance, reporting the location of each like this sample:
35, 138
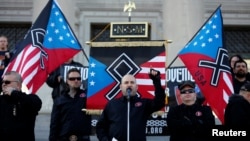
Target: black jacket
190, 123
67, 117
4, 61
237, 85
237, 112
113, 121
17, 116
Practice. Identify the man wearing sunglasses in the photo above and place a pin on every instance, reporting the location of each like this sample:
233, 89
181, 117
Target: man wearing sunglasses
68, 121
18, 110
189, 121
55, 79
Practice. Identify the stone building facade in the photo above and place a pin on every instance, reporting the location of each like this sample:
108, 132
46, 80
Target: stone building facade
176, 20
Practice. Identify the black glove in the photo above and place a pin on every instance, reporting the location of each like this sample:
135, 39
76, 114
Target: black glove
155, 77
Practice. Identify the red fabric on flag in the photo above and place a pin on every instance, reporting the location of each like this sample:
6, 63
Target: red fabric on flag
207, 60
48, 44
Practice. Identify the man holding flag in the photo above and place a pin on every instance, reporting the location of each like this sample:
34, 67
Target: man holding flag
209, 65
189, 121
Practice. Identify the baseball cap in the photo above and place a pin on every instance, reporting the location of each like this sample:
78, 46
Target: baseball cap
186, 83
245, 87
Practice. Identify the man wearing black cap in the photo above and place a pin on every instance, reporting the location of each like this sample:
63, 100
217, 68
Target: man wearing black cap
189, 121
237, 111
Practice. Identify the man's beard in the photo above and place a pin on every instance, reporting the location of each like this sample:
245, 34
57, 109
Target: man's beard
76, 88
240, 75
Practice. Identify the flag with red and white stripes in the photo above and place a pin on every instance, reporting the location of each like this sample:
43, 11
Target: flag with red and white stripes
145, 85
207, 60
107, 65
48, 44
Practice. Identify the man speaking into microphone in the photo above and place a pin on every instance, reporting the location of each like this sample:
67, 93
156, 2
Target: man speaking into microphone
130, 110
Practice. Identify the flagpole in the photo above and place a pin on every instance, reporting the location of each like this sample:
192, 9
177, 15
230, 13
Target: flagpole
172, 62
129, 7
194, 35
85, 55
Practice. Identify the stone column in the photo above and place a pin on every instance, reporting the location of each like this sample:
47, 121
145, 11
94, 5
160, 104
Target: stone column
181, 20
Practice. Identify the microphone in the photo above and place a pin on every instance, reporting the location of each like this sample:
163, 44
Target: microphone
128, 93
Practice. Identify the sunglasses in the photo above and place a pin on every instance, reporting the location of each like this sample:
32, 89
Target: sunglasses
74, 78
187, 91
6, 82
244, 89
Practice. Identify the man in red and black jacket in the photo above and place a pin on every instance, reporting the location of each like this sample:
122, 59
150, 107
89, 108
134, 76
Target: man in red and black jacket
112, 124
